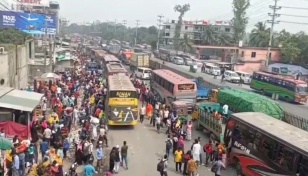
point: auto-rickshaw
(181, 108)
(214, 96)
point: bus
(114, 49)
(100, 54)
(122, 101)
(169, 86)
(164, 54)
(115, 69)
(259, 144)
(110, 59)
(287, 89)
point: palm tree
(209, 35)
(260, 35)
(224, 39)
(185, 43)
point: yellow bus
(122, 101)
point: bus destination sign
(123, 94)
(186, 86)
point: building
(14, 64)
(194, 29)
(246, 59)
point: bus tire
(238, 167)
(287, 99)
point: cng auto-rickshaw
(214, 95)
(181, 109)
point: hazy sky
(211, 10)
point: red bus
(110, 59)
(115, 68)
(170, 87)
(260, 145)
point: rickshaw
(181, 107)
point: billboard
(44, 3)
(29, 22)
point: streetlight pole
(137, 25)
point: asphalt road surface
(296, 109)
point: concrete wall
(14, 70)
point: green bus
(287, 89)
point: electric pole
(137, 25)
(115, 26)
(159, 24)
(124, 31)
(273, 21)
(45, 41)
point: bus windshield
(302, 88)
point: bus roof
(276, 129)
(111, 58)
(115, 67)
(120, 82)
(172, 77)
(100, 53)
(281, 77)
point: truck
(238, 101)
(202, 91)
(139, 60)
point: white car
(246, 77)
(231, 76)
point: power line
(292, 22)
(299, 16)
(273, 22)
(159, 24)
(298, 8)
(137, 25)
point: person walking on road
(117, 159)
(220, 166)
(196, 151)
(162, 166)
(158, 123)
(89, 170)
(168, 146)
(124, 149)
(99, 156)
(178, 157)
(208, 149)
(142, 113)
(192, 167)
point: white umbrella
(50, 76)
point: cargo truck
(139, 60)
(238, 101)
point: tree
(12, 36)
(177, 33)
(290, 53)
(185, 43)
(260, 35)
(240, 19)
(223, 39)
(209, 35)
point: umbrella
(5, 144)
(50, 76)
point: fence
(290, 118)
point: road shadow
(121, 127)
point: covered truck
(202, 91)
(244, 101)
(139, 60)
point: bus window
(303, 167)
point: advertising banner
(29, 22)
(44, 3)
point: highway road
(296, 109)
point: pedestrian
(196, 151)
(16, 165)
(99, 156)
(240, 83)
(189, 131)
(142, 113)
(111, 160)
(162, 166)
(178, 157)
(168, 146)
(43, 147)
(192, 167)
(158, 123)
(117, 159)
(218, 165)
(124, 149)
(89, 170)
(208, 149)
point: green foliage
(211, 37)
(240, 20)
(182, 9)
(110, 31)
(185, 43)
(12, 36)
(294, 47)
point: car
(246, 77)
(188, 61)
(178, 60)
(197, 62)
(231, 76)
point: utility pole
(273, 21)
(115, 26)
(137, 25)
(45, 42)
(159, 24)
(124, 31)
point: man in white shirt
(44, 107)
(225, 110)
(196, 151)
(157, 105)
(158, 123)
(47, 134)
(142, 113)
(76, 116)
(166, 115)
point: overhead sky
(209, 10)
